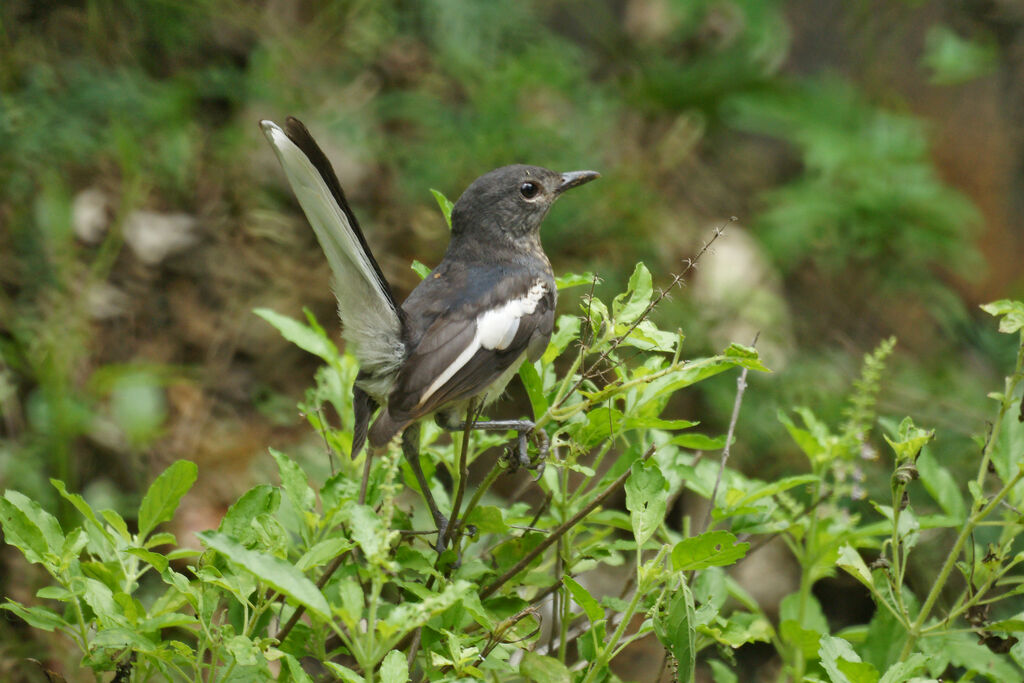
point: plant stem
(557, 533)
(917, 627)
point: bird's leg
(411, 451)
(525, 429)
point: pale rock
(154, 236)
(89, 215)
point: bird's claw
(518, 454)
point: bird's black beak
(575, 179)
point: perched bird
(462, 333)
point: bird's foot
(517, 452)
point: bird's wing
(365, 303)
(462, 353)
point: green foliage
(868, 193)
(229, 612)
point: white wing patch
(495, 330)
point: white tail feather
(371, 323)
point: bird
(459, 337)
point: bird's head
(512, 200)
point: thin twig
(741, 387)
(691, 263)
(557, 533)
(472, 415)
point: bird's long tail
(372, 320)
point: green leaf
(941, 486)
(20, 532)
(273, 571)
(344, 673)
(901, 672)
(163, 496)
(910, 439)
(721, 673)
(366, 529)
(394, 668)
(47, 524)
(543, 669)
(293, 481)
(566, 330)
(295, 670)
(259, 500)
(710, 549)
(156, 560)
(567, 280)
(303, 336)
(446, 206)
(534, 386)
(629, 305)
(592, 608)
(676, 630)
(36, 617)
(487, 519)
(322, 553)
(699, 442)
(420, 269)
(646, 497)
(83, 507)
(1011, 314)
(746, 356)
(952, 59)
(838, 658)
(852, 562)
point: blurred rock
(741, 295)
(105, 301)
(154, 236)
(89, 215)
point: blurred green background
(871, 150)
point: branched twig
(741, 387)
(691, 263)
(490, 588)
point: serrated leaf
(583, 598)
(567, 280)
(366, 529)
(901, 672)
(646, 497)
(941, 486)
(164, 494)
(534, 386)
(271, 570)
(676, 630)
(710, 549)
(853, 563)
(322, 553)
(543, 669)
(303, 336)
(487, 519)
(833, 652)
(156, 560)
(344, 673)
(293, 481)
(295, 669)
(20, 532)
(36, 617)
(1010, 314)
(629, 305)
(259, 500)
(394, 668)
(46, 523)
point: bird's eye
(529, 190)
